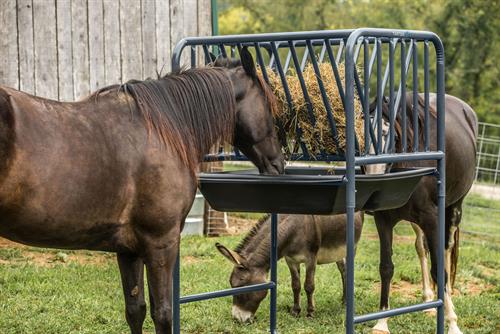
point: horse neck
(257, 246)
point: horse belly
(329, 255)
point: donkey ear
(232, 256)
(247, 62)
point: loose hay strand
(319, 136)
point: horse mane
(251, 234)
(188, 110)
(409, 122)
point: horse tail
(454, 257)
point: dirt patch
(48, 258)
(239, 226)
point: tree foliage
(469, 29)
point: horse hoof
(381, 327)
(454, 330)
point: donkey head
(254, 132)
(244, 273)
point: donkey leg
(309, 284)
(341, 267)
(422, 252)
(386, 268)
(295, 275)
(132, 275)
(160, 260)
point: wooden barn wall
(65, 49)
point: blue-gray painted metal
(227, 292)
(397, 311)
(274, 273)
(349, 43)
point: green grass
(59, 294)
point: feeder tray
(310, 190)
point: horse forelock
(188, 111)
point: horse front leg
(160, 261)
(386, 268)
(309, 284)
(422, 252)
(295, 275)
(132, 275)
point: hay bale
(320, 135)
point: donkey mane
(251, 234)
(188, 110)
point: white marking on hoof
(241, 315)
(453, 329)
(381, 327)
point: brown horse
(421, 209)
(301, 239)
(117, 171)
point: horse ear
(232, 256)
(248, 63)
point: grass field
(47, 291)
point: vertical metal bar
(340, 52)
(304, 60)
(379, 96)
(260, 60)
(350, 186)
(335, 70)
(366, 102)
(324, 97)
(222, 50)
(497, 167)
(233, 51)
(176, 296)
(287, 61)
(415, 96)
(372, 59)
(322, 53)
(274, 271)
(426, 96)
(392, 46)
(208, 59)
(402, 88)
(193, 56)
(441, 182)
(289, 97)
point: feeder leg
(176, 310)
(274, 272)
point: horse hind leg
(132, 275)
(453, 218)
(422, 252)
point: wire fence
(488, 154)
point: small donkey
(301, 239)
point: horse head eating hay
(117, 171)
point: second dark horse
(117, 171)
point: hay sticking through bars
(319, 136)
